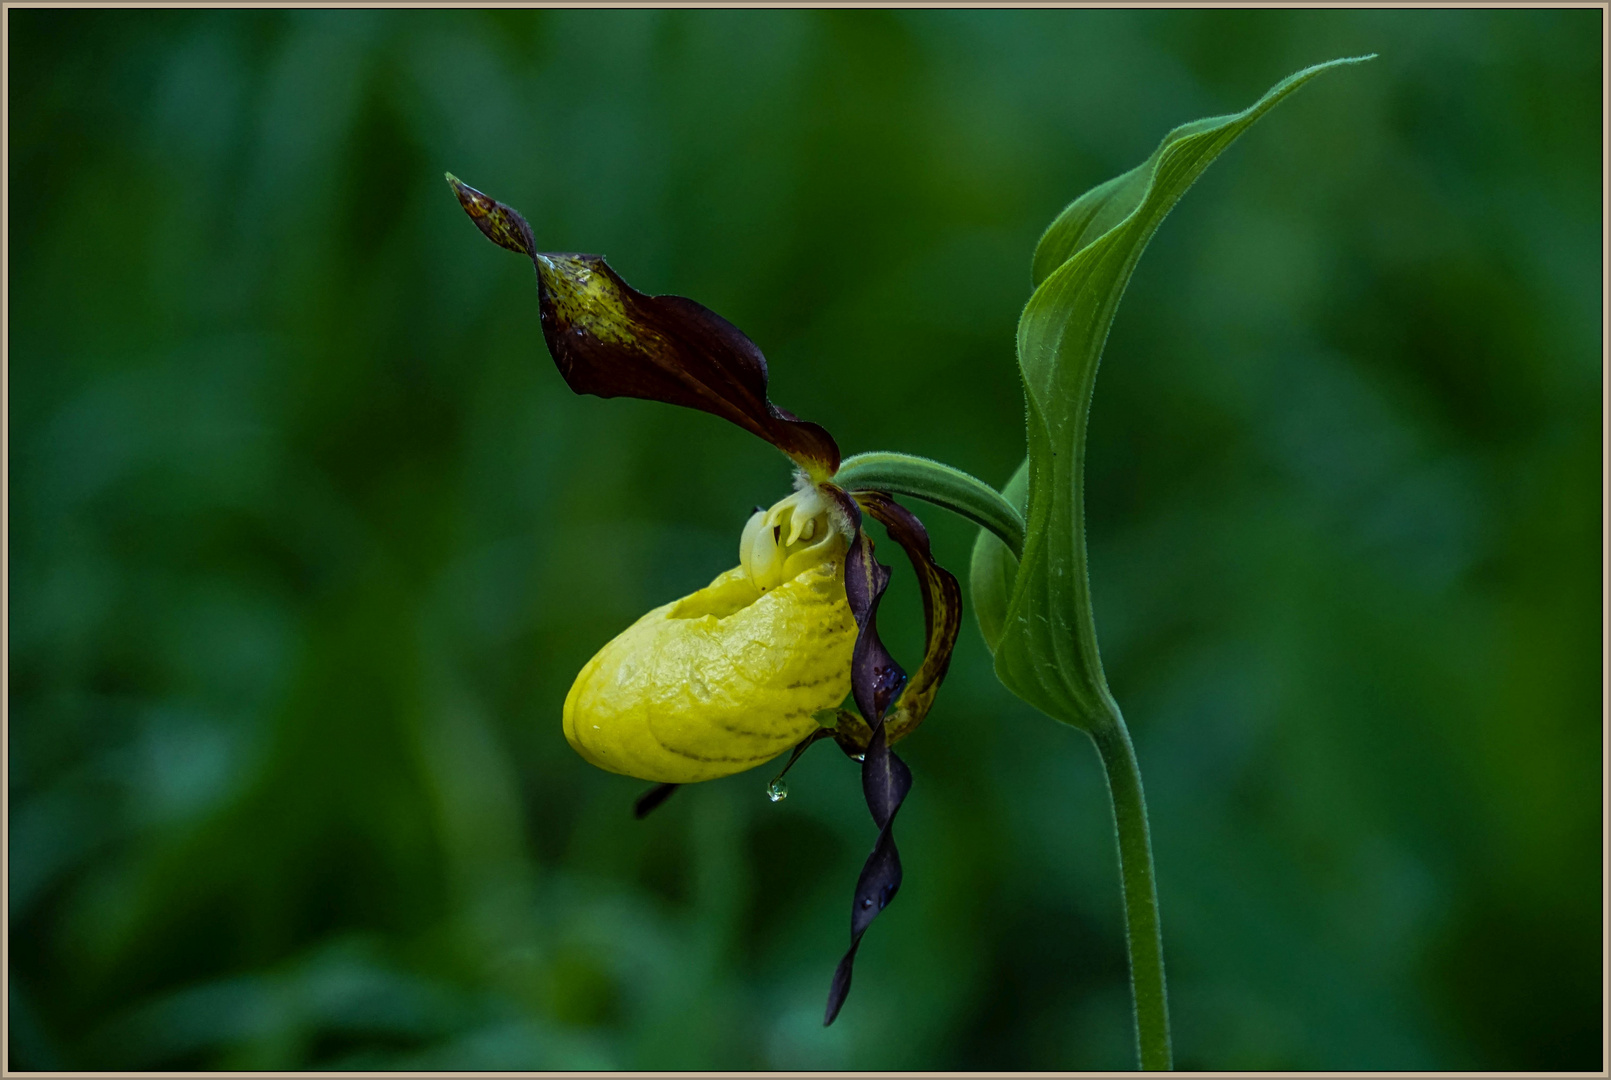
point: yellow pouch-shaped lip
(717, 682)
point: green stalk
(1141, 925)
(953, 489)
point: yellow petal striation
(731, 676)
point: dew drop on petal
(778, 789)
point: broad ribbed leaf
(994, 567)
(1047, 652)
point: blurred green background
(308, 538)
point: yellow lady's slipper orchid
(738, 672)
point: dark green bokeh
(309, 538)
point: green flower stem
(953, 489)
(1141, 923)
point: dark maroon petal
(885, 781)
(879, 882)
(651, 799)
(840, 987)
(875, 680)
(875, 677)
(942, 610)
(610, 340)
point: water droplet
(778, 789)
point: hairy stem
(953, 489)
(1142, 928)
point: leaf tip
(1341, 61)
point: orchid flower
(760, 660)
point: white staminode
(796, 534)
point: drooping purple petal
(651, 799)
(610, 340)
(885, 781)
(880, 880)
(875, 680)
(839, 989)
(942, 610)
(875, 677)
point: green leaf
(994, 566)
(1046, 652)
